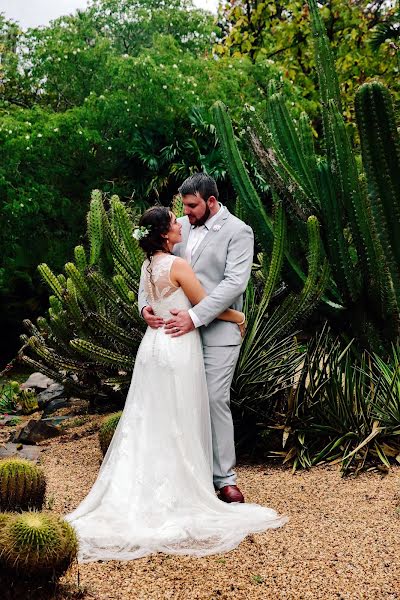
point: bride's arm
(182, 275)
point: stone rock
(57, 419)
(55, 405)
(30, 452)
(37, 381)
(36, 431)
(55, 390)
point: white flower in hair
(140, 233)
(216, 227)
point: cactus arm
(336, 245)
(286, 140)
(95, 226)
(250, 200)
(80, 259)
(278, 252)
(51, 280)
(100, 355)
(121, 217)
(380, 146)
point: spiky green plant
(344, 408)
(39, 545)
(28, 402)
(89, 339)
(358, 210)
(22, 484)
(107, 430)
(9, 396)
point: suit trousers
(220, 363)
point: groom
(220, 249)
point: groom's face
(196, 208)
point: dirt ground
(342, 540)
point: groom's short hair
(201, 184)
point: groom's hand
(151, 319)
(180, 323)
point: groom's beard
(203, 219)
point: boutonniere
(216, 227)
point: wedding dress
(154, 491)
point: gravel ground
(342, 540)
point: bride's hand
(243, 326)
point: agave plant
(358, 210)
(344, 409)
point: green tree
(281, 32)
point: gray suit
(222, 263)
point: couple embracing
(167, 483)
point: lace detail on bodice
(160, 291)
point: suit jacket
(222, 263)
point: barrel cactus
(28, 402)
(22, 485)
(37, 544)
(107, 431)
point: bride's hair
(157, 221)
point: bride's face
(174, 232)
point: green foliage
(37, 545)
(74, 116)
(107, 430)
(22, 485)
(9, 392)
(281, 33)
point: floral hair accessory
(140, 233)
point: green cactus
(39, 545)
(22, 485)
(28, 402)
(95, 226)
(107, 431)
(357, 274)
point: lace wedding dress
(154, 491)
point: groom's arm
(236, 276)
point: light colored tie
(195, 235)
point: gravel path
(342, 540)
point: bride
(154, 491)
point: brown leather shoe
(230, 493)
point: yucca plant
(37, 545)
(358, 210)
(344, 408)
(22, 485)
(107, 431)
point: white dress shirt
(196, 235)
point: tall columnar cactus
(357, 212)
(380, 146)
(38, 545)
(22, 485)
